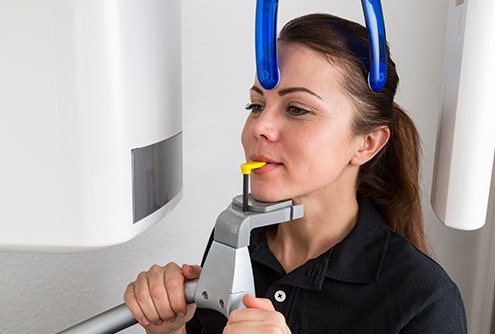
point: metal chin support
(267, 69)
(226, 275)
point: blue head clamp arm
(266, 44)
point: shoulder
(401, 263)
(434, 301)
(410, 265)
(418, 281)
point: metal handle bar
(119, 317)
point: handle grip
(119, 317)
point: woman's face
(303, 127)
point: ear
(370, 145)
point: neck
(329, 216)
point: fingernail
(181, 314)
(159, 322)
(145, 321)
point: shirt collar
(356, 259)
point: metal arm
(226, 275)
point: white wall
(43, 293)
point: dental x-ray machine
(227, 274)
(93, 132)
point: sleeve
(445, 314)
(194, 326)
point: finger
(258, 303)
(174, 283)
(158, 292)
(142, 292)
(191, 271)
(248, 314)
(133, 305)
(244, 328)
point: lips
(265, 159)
(271, 164)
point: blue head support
(266, 44)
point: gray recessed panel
(157, 175)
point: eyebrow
(287, 91)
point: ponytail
(391, 180)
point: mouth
(268, 160)
(271, 164)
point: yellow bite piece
(249, 166)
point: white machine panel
(466, 134)
(86, 87)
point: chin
(267, 196)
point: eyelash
(252, 106)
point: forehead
(303, 67)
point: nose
(267, 125)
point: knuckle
(142, 296)
(142, 275)
(171, 265)
(128, 295)
(157, 292)
(173, 282)
(156, 268)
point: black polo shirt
(373, 281)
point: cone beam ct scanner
(100, 159)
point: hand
(156, 298)
(259, 317)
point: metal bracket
(227, 274)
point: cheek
(325, 153)
(245, 136)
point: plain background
(45, 293)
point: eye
(296, 111)
(254, 107)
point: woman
(356, 262)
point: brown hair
(391, 178)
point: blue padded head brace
(266, 44)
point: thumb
(263, 304)
(191, 272)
